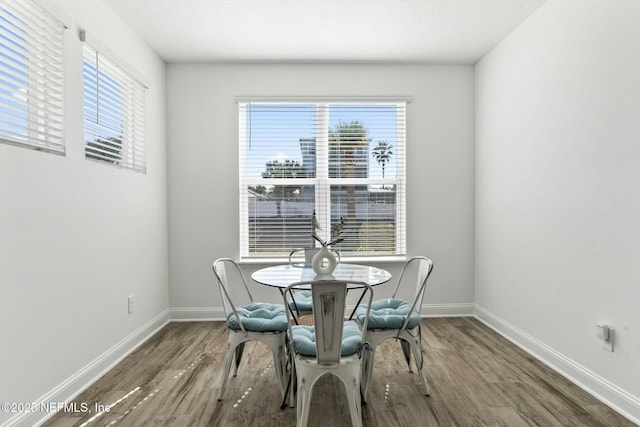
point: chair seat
(304, 339)
(303, 302)
(389, 313)
(260, 317)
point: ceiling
(432, 31)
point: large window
(31, 77)
(336, 169)
(113, 111)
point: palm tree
(382, 152)
(348, 147)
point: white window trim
(322, 182)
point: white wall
(557, 195)
(203, 167)
(77, 237)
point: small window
(334, 169)
(31, 77)
(114, 103)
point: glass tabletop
(281, 276)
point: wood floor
(477, 378)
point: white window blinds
(31, 77)
(114, 103)
(337, 169)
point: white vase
(324, 262)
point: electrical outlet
(605, 335)
(130, 301)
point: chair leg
(227, 367)
(238, 352)
(414, 341)
(355, 403)
(303, 400)
(406, 350)
(417, 352)
(280, 364)
(367, 369)
(294, 386)
(348, 373)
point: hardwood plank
(477, 378)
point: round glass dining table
(281, 276)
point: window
(334, 168)
(31, 77)
(113, 111)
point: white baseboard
(623, 402)
(447, 310)
(197, 314)
(74, 385)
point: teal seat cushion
(304, 339)
(303, 302)
(388, 313)
(259, 317)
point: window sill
(346, 260)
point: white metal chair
(398, 319)
(262, 322)
(331, 346)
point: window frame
(114, 107)
(322, 182)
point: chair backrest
(220, 270)
(423, 271)
(302, 256)
(329, 303)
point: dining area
(318, 329)
(314, 340)
(317, 341)
(475, 377)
